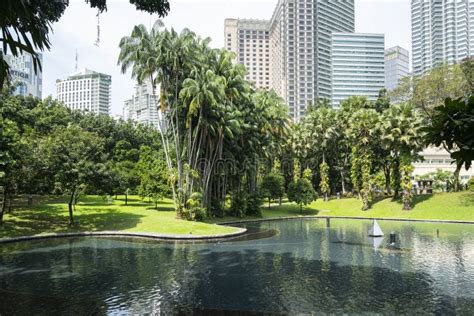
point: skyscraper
(142, 107)
(86, 90)
(27, 81)
(397, 63)
(249, 39)
(358, 66)
(442, 31)
(298, 37)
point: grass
(457, 206)
(96, 214)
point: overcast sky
(77, 29)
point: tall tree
(77, 161)
(364, 134)
(452, 126)
(401, 127)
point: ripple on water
(298, 266)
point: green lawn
(96, 214)
(442, 206)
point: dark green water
(304, 268)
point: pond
(293, 266)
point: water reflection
(308, 266)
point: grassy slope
(442, 206)
(95, 214)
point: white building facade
(142, 108)
(442, 31)
(358, 66)
(397, 66)
(86, 90)
(26, 80)
(298, 58)
(439, 159)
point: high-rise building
(249, 39)
(298, 37)
(24, 77)
(358, 66)
(397, 63)
(142, 107)
(442, 31)
(86, 90)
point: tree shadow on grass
(420, 198)
(161, 208)
(416, 199)
(289, 210)
(36, 222)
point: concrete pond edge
(158, 237)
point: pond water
(296, 266)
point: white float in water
(375, 230)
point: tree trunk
(301, 209)
(388, 187)
(365, 201)
(9, 203)
(456, 183)
(343, 184)
(396, 178)
(3, 206)
(126, 198)
(268, 203)
(71, 201)
(406, 200)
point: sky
(77, 30)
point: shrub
(302, 192)
(470, 184)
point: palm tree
(321, 124)
(139, 51)
(401, 127)
(364, 133)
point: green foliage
(213, 116)
(153, 175)
(76, 159)
(364, 133)
(273, 186)
(427, 91)
(324, 183)
(470, 184)
(401, 127)
(194, 211)
(452, 125)
(406, 170)
(301, 192)
(307, 174)
(442, 180)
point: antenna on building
(97, 42)
(76, 59)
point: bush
(302, 192)
(254, 202)
(470, 184)
(238, 205)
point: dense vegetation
(224, 146)
(47, 149)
